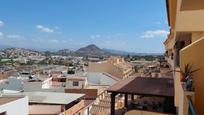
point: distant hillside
(18, 52)
(118, 52)
(64, 52)
(91, 50)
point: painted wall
(44, 109)
(194, 54)
(177, 87)
(172, 12)
(192, 5)
(19, 106)
(106, 67)
(99, 67)
(69, 84)
(190, 20)
(196, 36)
(170, 43)
(5, 75)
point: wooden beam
(113, 103)
(126, 100)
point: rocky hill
(91, 50)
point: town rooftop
(52, 97)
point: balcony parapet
(182, 95)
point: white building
(13, 105)
(53, 103)
(76, 82)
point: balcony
(184, 99)
(151, 95)
(148, 106)
(193, 54)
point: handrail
(191, 109)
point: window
(75, 83)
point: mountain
(91, 50)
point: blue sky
(129, 25)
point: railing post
(113, 103)
(126, 100)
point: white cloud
(45, 40)
(1, 34)
(44, 29)
(95, 36)
(14, 36)
(2, 23)
(154, 33)
(53, 41)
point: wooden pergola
(157, 87)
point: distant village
(100, 81)
(71, 84)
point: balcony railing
(191, 109)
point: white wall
(17, 107)
(69, 84)
(46, 84)
(86, 110)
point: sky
(128, 25)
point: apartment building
(115, 66)
(184, 46)
(94, 86)
(53, 103)
(76, 82)
(12, 105)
